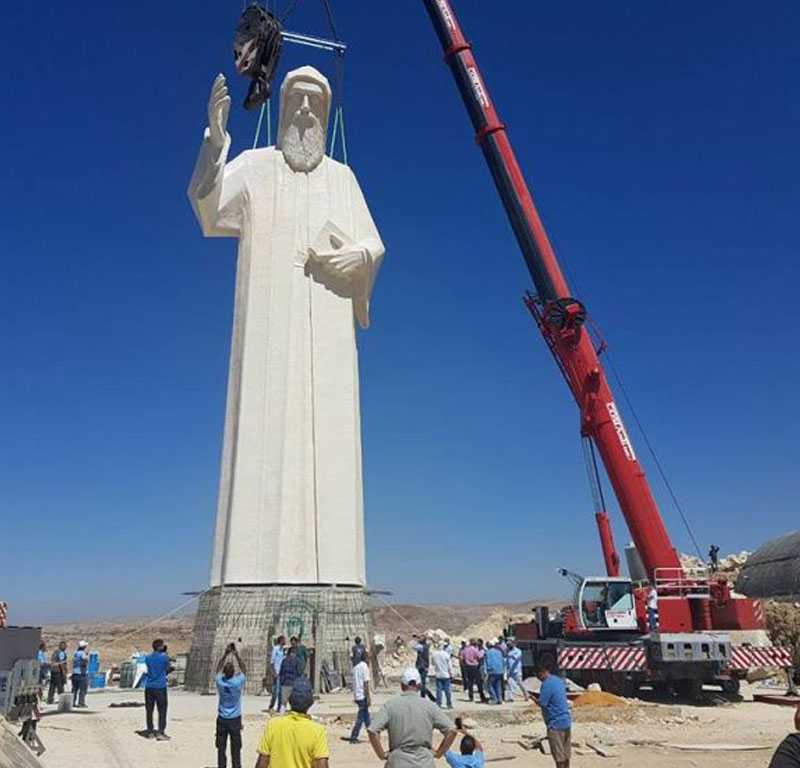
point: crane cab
(606, 604)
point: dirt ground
(639, 734)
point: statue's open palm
(219, 107)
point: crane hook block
(257, 46)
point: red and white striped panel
(619, 659)
(744, 657)
(3, 613)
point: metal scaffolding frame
(325, 617)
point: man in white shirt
(652, 609)
(514, 671)
(361, 694)
(441, 669)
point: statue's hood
(308, 75)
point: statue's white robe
(290, 507)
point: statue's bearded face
(303, 144)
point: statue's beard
(304, 149)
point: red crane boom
(560, 317)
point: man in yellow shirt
(294, 740)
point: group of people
(294, 740)
(410, 719)
(287, 664)
(493, 668)
(54, 672)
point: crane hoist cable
(654, 456)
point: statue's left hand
(344, 262)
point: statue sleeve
(215, 190)
(367, 237)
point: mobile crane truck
(604, 636)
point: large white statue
(290, 505)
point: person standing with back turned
(229, 708)
(80, 675)
(441, 669)
(410, 721)
(422, 649)
(58, 672)
(555, 710)
(155, 690)
(294, 740)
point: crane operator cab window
(607, 604)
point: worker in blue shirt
(555, 710)
(229, 708)
(155, 690)
(495, 667)
(44, 664)
(80, 675)
(514, 671)
(58, 672)
(470, 754)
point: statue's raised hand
(219, 107)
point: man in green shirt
(410, 720)
(301, 652)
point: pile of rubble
(729, 566)
(399, 654)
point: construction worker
(155, 690)
(229, 707)
(555, 710)
(713, 557)
(80, 675)
(44, 664)
(58, 672)
(652, 609)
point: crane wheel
(731, 686)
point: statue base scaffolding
(325, 617)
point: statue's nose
(306, 108)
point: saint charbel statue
(290, 507)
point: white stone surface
(290, 507)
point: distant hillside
(116, 640)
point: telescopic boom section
(559, 316)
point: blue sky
(661, 144)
